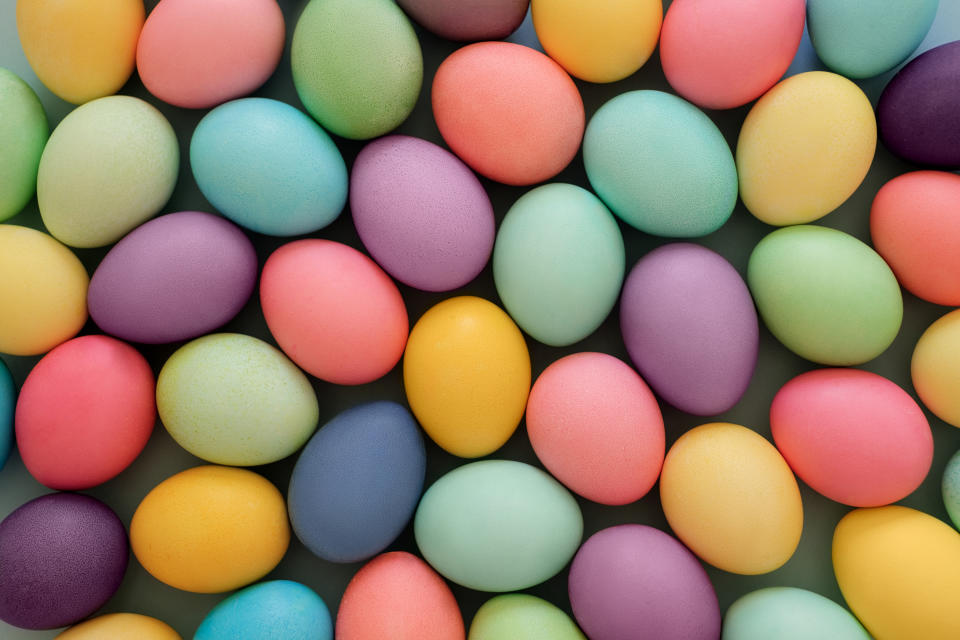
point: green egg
(518, 616)
(23, 132)
(951, 488)
(788, 613)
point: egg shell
(421, 213)
(596, 427)
(268, 167)
(353, 326)
(660, 164)
(467, 20)
(950, 487)
(357, 482)
(466, 374)
(634, 581)
(63, 557)
(725, 53)
(690, 327)
(23, 133)
(46, 303)
(498, 525)
(518, 616)
(899, 571)
(788, 613)
(210, 529)
(827, 296)
(234, 399)
(508, 111)
(397, 596)
(80, 49)
(730, 497)
(120, 626)
(187, 54)
(935, 368)
(274, 610)
(8, 402)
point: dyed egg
(210, 529)
(518, 616)
(634, 581)
(268, 167)
(660, 164)
(508, 111)
(950, 486)
(596, 427)
(23, 132)
(109, 166)
(421, 213)
(353, 326)
(804, 148)
(63, 556)
(690, 327)
(80, 49)
(725, 53)
(899, 571)
(234, 399)
(120, 626)
(498, 525)
(788, 613)
(730, 497)
(397, 596)
(357, 482)
(274, 610)
(466, 373)
(468, 20)
(46, 303)
(357, 92)
(187, 51)
(825, 295)
(935, 368)
(8, 402)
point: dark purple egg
(467, 20)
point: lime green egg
(23, 132)
(518, 616)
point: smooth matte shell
(8, 403)
(935, 368)
(120, 626)
(23, 133)
(950, 487)
(788, 613)
(518, 616)
(468, 20)
(273, 610)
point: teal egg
(518, 616)
(8, 402)
(23, 132)
(951, 488)
(788, 613)
(275, 610)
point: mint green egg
(951, 488)
(498, 525)
(518, 616)
(825, 295)
(23, 132)
(788, 613)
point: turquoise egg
(23, 132)
(788, 613)
(951, 488)
(8, 401)
(275, 610)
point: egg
(497, 525)
(730, 497)
(690, 327)
(788, 613)
(353, 326)
(935, 368)
(518, 616)
(120, 626)
(660, 164)
(274, 610)
(210, 529)
(234, 399)
(950, 487)
(268, 167)
(466, 374)
(827, 296)
(8, 402)
(468, 20)
(899, 571)
(23, 133)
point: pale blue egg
(788, 613)
(275, 610)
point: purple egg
(690, 327)
(176, 277)
(421, 213)
(633, 582)
(62, 556)
(467, 20)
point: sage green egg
(235, 400)
(788, 613)
(357, 65)
(950, 486)
(558, 263)
(498, 525)
(825, 295)
(23, 132)
(518, 616)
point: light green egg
(518, 616)
(788, 613)
(825, 295)
(23, 132)
(498, 525)
(951, 488)
(233, 399)
(558, 263)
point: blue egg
(275, 610)
(8, 400)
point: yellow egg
(805, 147)
(899, 571)
(935, 368)
(729, 495)
(466, 371)
(120, 626)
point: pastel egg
(353, 326)
(950, 486)
(8, 402)
(23, 133)
(596, 427)
(804, 148)
(63, 557)
(899, 571)
(357, 92)
(210, 529)
(788, 613)
(80, 49)
(468, 20)
(268, 167)
(935, 368)
(234, 399)
(466, 373)
(120, 626)
(508, 111)
(634, 581)
(421, 213)
(730, 497)
(825, 295)
(187, 51)
(518, 616)
(660, 164)
(109, 166)
(357, 482)
(690, 327)
(479, 524)
(274, 610)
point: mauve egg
(468, 20)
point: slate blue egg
(274, 610)
(8, 401)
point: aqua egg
(273, 610)
(789, 613)
(23, 133)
